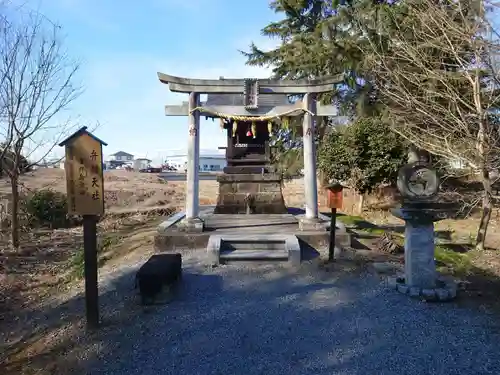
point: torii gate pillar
(310, 220)
(192, 220)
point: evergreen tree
(318, 38)
(322, 38)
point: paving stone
(429, 294)
(384, 267)
(414, 291)
(442, 294)
(392, 282)
(402, 288)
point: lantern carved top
(417, 182)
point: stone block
(231, 199)
(315, 224)
(234, 199)
(442, 294)
(452, 290)
(227, 188)
(160, 270)
(402, 288)
(171, 221)
(429, 294)
(255, 169)
(191, 225)
(414, 291)
(320, 240)
(173, 239)
(247, 187)
(213, 250)
(271, 187)
(392, 282)
(293, 248)
(248, 177)
(384, 267)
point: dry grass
(48, 262)
(139, 190)
(48, 337)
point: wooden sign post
(335, 195)
(85, 191)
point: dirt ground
(133, 190)
(49, 262)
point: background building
(120, 159)
(208, 163)
(142, 163)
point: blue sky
(121, 46)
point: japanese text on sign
(82, 175)
(85, 179)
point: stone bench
(160, 270)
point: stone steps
(255, 254)
(233, 250)
(225, 248)
(245, 245)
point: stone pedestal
(421, 279)
(250, 194)
(420, 268)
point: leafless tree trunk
(361, 203)
(486, 212)
(437, 81)
(36, 85)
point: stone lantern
(418, 184)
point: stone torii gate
(242, 97)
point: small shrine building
(250, 110)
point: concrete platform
(172, 235)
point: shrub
(48, 208)
(364, 155)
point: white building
(141, 163)
(208, 163)
(120, 159)
(121, 156)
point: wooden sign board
(335, 199)
(84, 174)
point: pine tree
(322, 38)
(318, 38)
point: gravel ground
(272, 320)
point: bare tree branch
(437, 81)
(37, 84)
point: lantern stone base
(250, 194)
(420, 278)
(443, 290)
